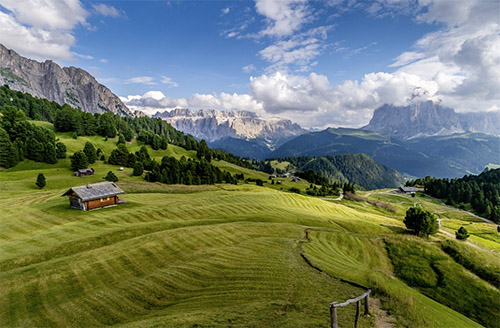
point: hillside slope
(359, 169)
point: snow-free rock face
(64, 85)
(213, 125)
(422, 119)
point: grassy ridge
(187, 256)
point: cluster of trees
(82, 158)
(189, 172)
(20, 139)
(480, 191)
(152, 131)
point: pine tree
(79, 161)
(111, 177)
(8, 152)
(138, 169)
(60, 150)
(40, 181)
(50, 154)
(90, 152)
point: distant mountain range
(67, 85)
(424, 119)
(440, 156)
(423, 138)
(229, 129)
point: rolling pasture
(207, 256)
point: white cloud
(41, 29)
(47, 14)
(225, 11)
(248, 68)
(103, 60)
(284, 17)
(168, 81)
(108, 11)
(148, 80)
(82, 56)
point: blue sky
(319, 63)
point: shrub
(111, 177)
(462, 234)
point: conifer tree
(40, 181)
(90, 152)
(60, 150)
(8, 152)
(79, 160)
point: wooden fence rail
(357, 300)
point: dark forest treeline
(480, 191)
(151, 131)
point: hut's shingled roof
(93, 191)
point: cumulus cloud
(224, 11)
(108, 11)
(284, 17)
(41, 29)
(154, 101)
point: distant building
(279, 182)
(95, 195)
(295, 179)
(408, 190)
(85, 172)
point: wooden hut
(84, 172)
(94, 195)
(408, 190)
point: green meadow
(229, 255)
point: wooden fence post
(356, 318)
(367, 305)
(333, 316)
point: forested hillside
(359, 169)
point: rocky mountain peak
(64, 85)
(212, 125)
(420, 119)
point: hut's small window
(107, 198)
(102, 200)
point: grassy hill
(215, 255)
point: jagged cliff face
(68, 85)
(213, 125)
(423, 119)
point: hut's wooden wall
(91, 204)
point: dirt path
(382, 318)
(338, 198)
(449, 234)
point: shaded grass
(362, 259)
(484, 264)
(424, 266)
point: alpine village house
(95, 195)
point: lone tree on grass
(421, 222)
(40, 181)
(462, 234)
(111, 177)
(79, 161)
